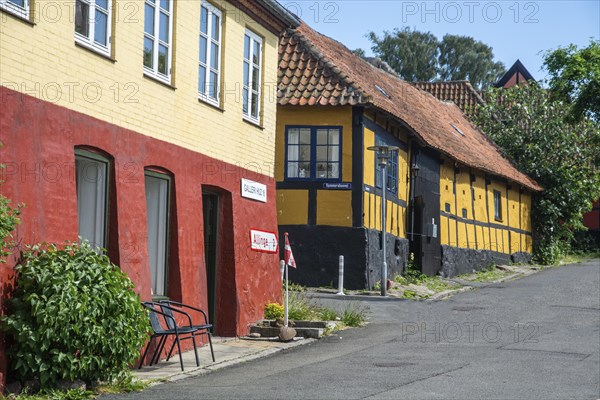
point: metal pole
(341, 276)
(285, 314)
(383, 221)
(282, 268)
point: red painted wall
(592, 218)
(39, 140)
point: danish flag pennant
(287, 254)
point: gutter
(281, 12)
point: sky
(514, 29)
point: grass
(124, 385)
(574, 258)
(488, 274)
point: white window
(157, 214)
(93, 24)
(252, 72)
(17, 7)
(91, 171)
(158, 35)
(209, 64)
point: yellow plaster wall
(334, 207)
(292, 207)
(469, 235)
(42, 60)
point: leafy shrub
(9, 219)
(327, 314)
(72, 316)
(273, 311)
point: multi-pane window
(313, 153)
(157, 213)
(18, 7)
(497, 205)
(93, 23)
(158, 36)
(209, 65)
(391, 169)
(91, 178)
(252, 76)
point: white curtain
(157, 194)
(91, 199)
(292, 152)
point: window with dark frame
(313, 153)
(391, 169)
(497, 205)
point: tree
(575, 78)
(359, 52)
(464, 58)
(561, 155)
(412, 54)
(419, 56)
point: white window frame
(153, 72)
(159, 271)
(205, 96)
(22, 12)
(90, 41)
(248, 114)
(98, 211)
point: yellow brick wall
(42, 59)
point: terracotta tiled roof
(460, 93)
(317, 70)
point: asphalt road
(535, 338)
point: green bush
(274, 311)
(72, 316)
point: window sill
(158, 80)
(95, 51)
(17, 15)
(212, 105)
(253, 122)
(498, 219)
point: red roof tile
(328, 62)
(460, 93)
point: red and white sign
(263, 241)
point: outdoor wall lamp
(383, 154)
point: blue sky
(514, 29)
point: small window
(91, 179)
(313, 153)
(497, 205)
(158, 36)
(209, 63)
(391, 170)
(93, 24)
(252, 76)
(447, 207)
(464, 213)
(158, 188)
(18, 7)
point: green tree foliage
(575, 78)
(563, 156)
(411, 53)
(419, 56)
(74, 315)
(464, 58)
(9, 219)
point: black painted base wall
(457, 261)
(317, 250)
(397, 256)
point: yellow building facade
(452, 200)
